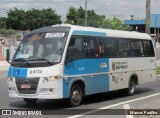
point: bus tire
(132, 87)
(130, 90)
(30, 100)
(75, 96)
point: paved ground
(4, 65)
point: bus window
(91, 47)
(137, 48)
(124, 48)
(148, 48)
(109, 47)
(75, 49)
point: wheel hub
(76, 96)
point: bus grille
(30, 81)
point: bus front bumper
(43, 90)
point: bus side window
(124, 48)
(75, 49)
(137, 47)
(109, 47)
(148, 48)
(91, 47)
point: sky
(121, 9)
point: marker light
(10, 79)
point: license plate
(25, 86)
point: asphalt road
(91, 106)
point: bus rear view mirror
(6, 55)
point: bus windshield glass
(41, 46)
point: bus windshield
(41, 46)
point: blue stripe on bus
(94, 84)
(89, 33)
(87, 66)
(17, 72)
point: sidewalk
(157, 45)
(4, 66)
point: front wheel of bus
(75, 96)
(30, 100)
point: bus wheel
(30, 100)
(75, 96)
(130, 90)
(132, 87)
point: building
(139, 24)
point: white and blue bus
(66, 61)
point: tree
(116, 24)
(16, 19)
(94, 20)
(32, 19)
(72, 16)
(77, 16)
(3, 22)
(81, 16)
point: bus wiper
(23, 59)
(41, 59)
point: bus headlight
(10, 79)
(51, 78)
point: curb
(158, 75)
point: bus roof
(106, 32)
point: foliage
(116, 24)
(34, 18)
(77, 17)
(158, 71)
(31, 19)
(72, 16)
(16, 19)
(3, 22)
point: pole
(155, 28)
(158, 32)
(86, 13)
(148, 6)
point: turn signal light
(10, 79)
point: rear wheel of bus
(131, 88)
(75, 96)
(30, 100)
